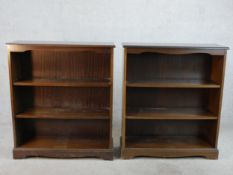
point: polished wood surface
(170, 114)
(172, 100)
(66, 143)
(187, 68)
(61, 96)
(63, 83)
(62, 113)
(174, 45)
(65, 98)
(56, 65)
(61, 43)
(166, 142)
(173, 83)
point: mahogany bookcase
(172, 96)
(61, 95)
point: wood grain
(173, 83)
(59, 113)
(166, 142)
(66, 142)
(170, 114)
(63, 83)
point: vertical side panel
(220, 99)
(10, 66)
(111, 97)
(124, 101)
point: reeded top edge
(174, 46)
(62, 43)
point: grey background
(160, 21)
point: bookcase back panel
(155, 67)
(168, 128)
(169, 98)
(72, 99)
(41, 127)
(40, 133)
(21, 67)
(62, 65)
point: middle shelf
(172, 103)
(172, 83)
(59, 113)
(170, 114)
(62, 102)
(63, 83)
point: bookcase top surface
(174, 46)
(62, 43)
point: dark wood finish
(175, 46)
(62, 44)
(170, 113)
(106, 154)
(63, 83)
(171, 83)
(61, 95)
(61, 113)
(166, 142)
(172, 100)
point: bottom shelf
(57, 147)
(166, 142)
(53, 142)
(209, 153)
(168, 147)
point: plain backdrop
(157, 21)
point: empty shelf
(66, 142)
(58, 113)
(173, 83)
(171, 113)
(64, 83)
(166, 142)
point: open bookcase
(61, 96)
(172, 100)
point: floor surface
(142, 166)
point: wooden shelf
(53, 142)
(173, 83)
(58, 113)
(63, 83)
(171, 114)
(166, 142)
